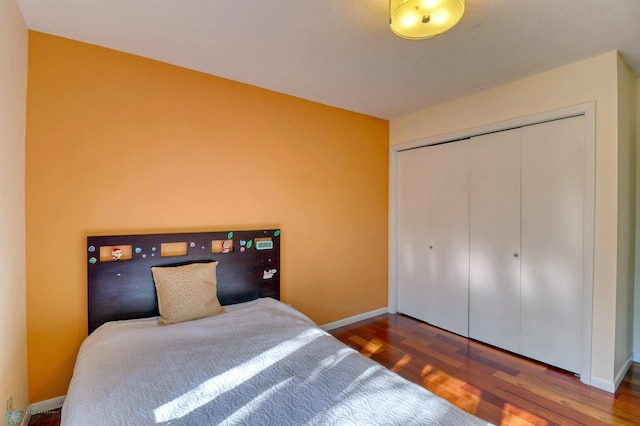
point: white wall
(586, 81)
(626, 215)
(636, 323)
(13, 318)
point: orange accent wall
(121, 144)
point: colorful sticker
(116, 253)
(275, 234)
(92, 249)
(13, 417)
(93, 260)
(249, 243)
(230, 235)
(192, 245)
(221, 246)
(268, 273)
(243, 242)
(138, 250)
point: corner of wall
(13, 328)
(636, 322)
(627, 212)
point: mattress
(259, 363)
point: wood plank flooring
(48, 418)
(494, 385)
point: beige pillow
(186, 292)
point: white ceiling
(342, 52)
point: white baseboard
(612, 386)
(41, 407)
(605, 385)
(356, 318)
(623, 371)
(636, 357)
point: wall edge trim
(353, 319)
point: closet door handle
(515, 253)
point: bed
(254, 361)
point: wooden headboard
(120, 283)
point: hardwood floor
(48, 418)
(494, 385)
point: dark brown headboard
(248, 268)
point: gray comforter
(260, 363)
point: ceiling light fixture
(419, 19)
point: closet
(490, 238)
(434, 235)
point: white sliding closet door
(447, 275)
(494, 254)
(412, 230)
(433, 235)
(553, 161)
(491, 239)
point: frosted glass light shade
(419, 19)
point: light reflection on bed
(232, 378)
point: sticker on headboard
(115, 253)
(173, 249)
(269, 273)
(264, 243)
(222, 246)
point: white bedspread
(261, 363)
